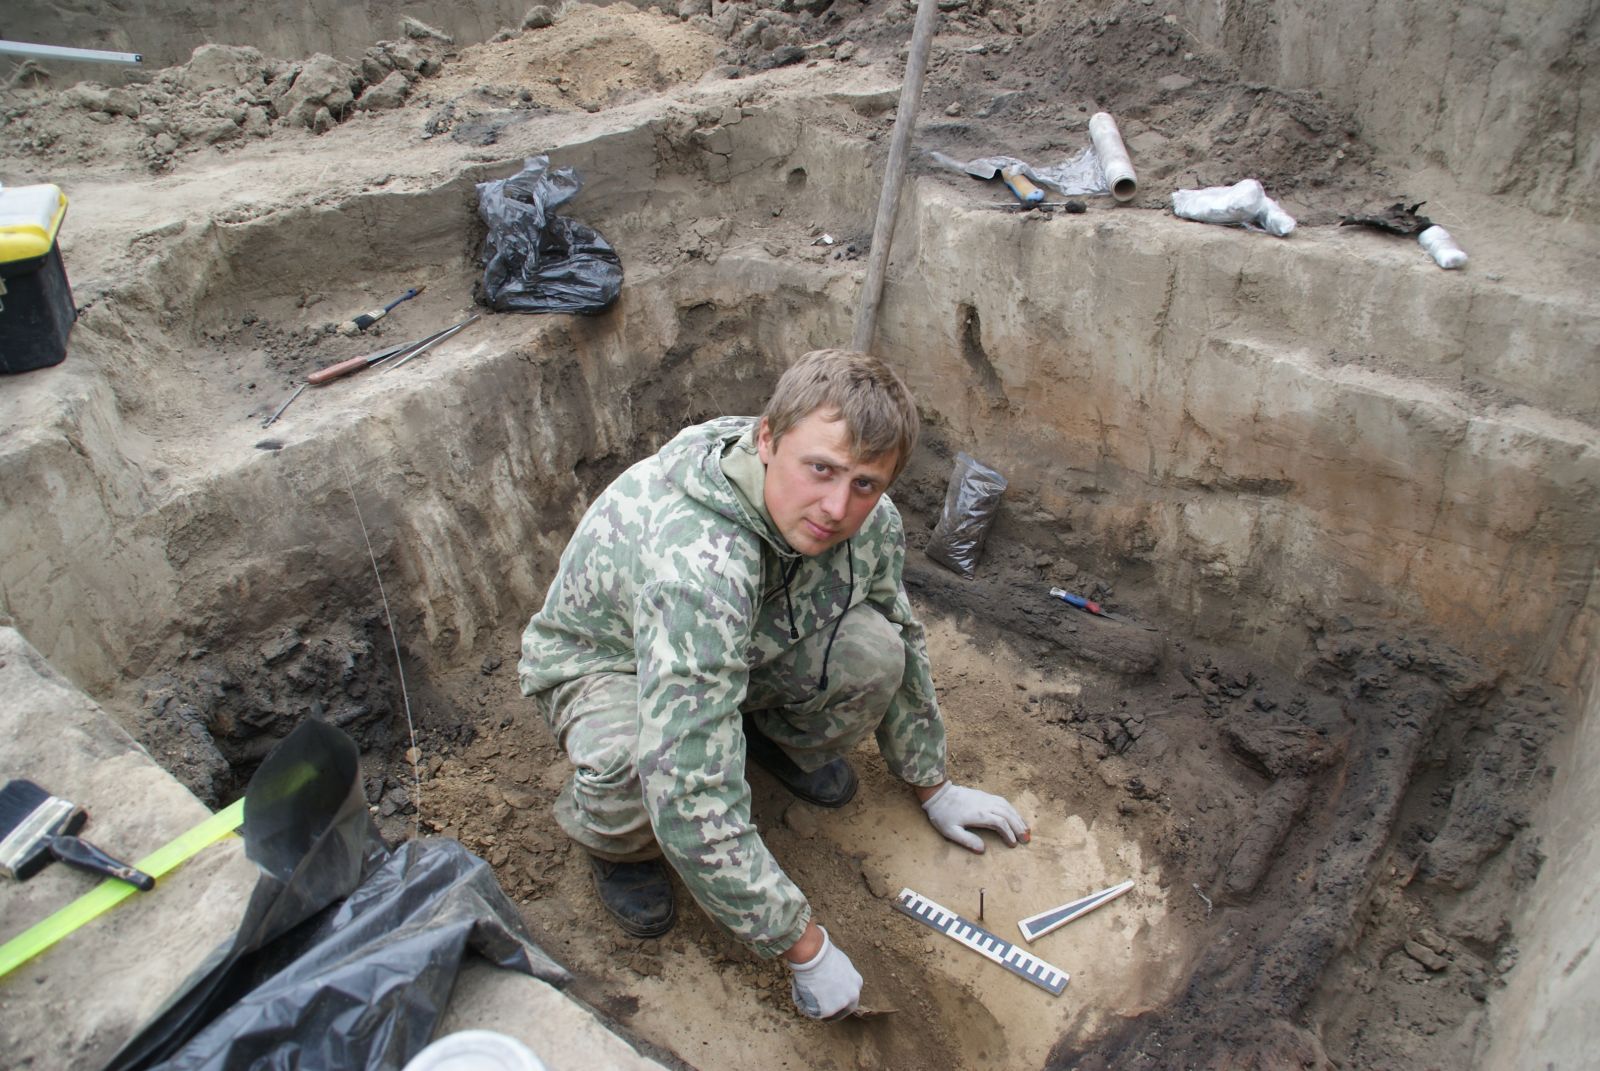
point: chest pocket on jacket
(816, 608)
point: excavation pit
(1322, 765)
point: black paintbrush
(36, 827)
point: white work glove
(953, 810)
(826, 986)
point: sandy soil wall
(1496, 92)
(1363, 466)
(1500, 93)
(1553, 999)
(468, 485)
(1212, 407)
(165, 32)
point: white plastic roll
(1107, 141)
(1442, 248)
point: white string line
(394, 638)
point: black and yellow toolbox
(36, 310)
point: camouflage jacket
(675, 575)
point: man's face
(818, 495)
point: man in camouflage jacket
(738, 595)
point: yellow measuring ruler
(91, 905)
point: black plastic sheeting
(347, 952)
(535, 260)
(971, 501)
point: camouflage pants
(595, 720)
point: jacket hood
(715, 464)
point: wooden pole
(905, 121)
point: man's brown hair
(877, 408)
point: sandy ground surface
(1135, 755)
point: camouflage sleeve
(911, 735)
(690, 639)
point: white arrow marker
(1035, 926)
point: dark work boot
(834, 785)
(637, 895)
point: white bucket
(476, 1050)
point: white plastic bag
(1244, 203)
(1442, 247)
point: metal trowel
(1011, 171)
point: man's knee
(869, 657)
(605, 765)
(595, 719)
(596, 723)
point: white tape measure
(1051, 979)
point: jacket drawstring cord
(850, 556)
(788, 574)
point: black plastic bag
(970, 503)
(307, 827)
(373, 981)
(347, 953)
(535, 260)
